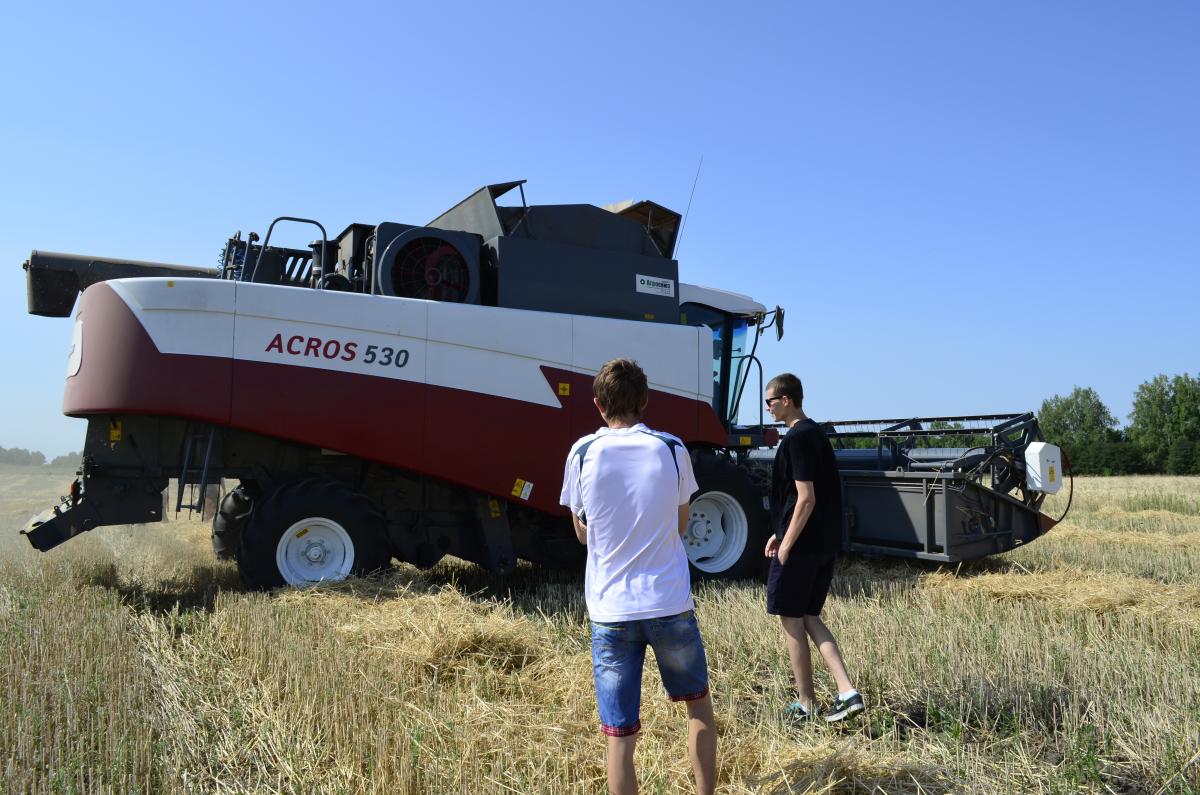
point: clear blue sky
(965, 207)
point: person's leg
(679, 652)
(789, 591)
(801, 659)
(826, 644)
(622, 778)
(849, 701)
(618, 654)
(702, 744)
(828, 647)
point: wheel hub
(700, 529)
(313, 550)
(717, 532)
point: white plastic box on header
(1043, 467)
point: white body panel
(666, 353)
(189, 316)
(263, 311)
(482, 349)
(724, 300)
(1043, 467)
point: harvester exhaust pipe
(55, 279)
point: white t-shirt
(627, 489)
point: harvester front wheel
(309, 532)
(728, 524)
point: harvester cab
(407, 392)
(736, 322)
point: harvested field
(132, 661)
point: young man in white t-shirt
(628, 489)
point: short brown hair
(620, 388)
(789, 386)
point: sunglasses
(771, 400)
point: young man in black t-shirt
(806, 515)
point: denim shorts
(619, 652)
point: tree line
(1162, 437)
(22, 457)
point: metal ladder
(194, 436)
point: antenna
(683, 224)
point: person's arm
(580, 528)
(685, 514)
(806, 501)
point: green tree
(1077, 421)
(21, 456)
(1182, 458)
(68, 460)
(1165, 411)
(1185, 408)
(1112, 457)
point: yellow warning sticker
(302, 533)
(1052, 473)
(564, 389)
(170, 282)
(114, 430)
(518, 487)
(745, 441)
(494, 507)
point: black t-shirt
(805, 454)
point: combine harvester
(410, 392)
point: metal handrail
(741, 387)
(267, 242)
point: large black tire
(728, 526)
(311, 531)
(230, 520)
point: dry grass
(1079, 590)
(130, 661)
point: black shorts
(799, 588)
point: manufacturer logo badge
(655, 285)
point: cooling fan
(433, 269)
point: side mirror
(778, 323)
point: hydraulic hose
(1071, 493)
